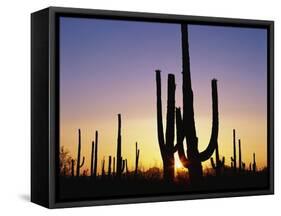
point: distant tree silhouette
(65, 161)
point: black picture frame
(45, 101)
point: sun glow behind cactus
(107, 67)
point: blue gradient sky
(107, 67)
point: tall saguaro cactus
(166, 144)
(137, 159)
(233, 159)
(96, 154)
(186, 123)
(120, 163)
(240, 156)
(79, 155)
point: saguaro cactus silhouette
(120, 163)
(137, 159)
(102, 167)
(233, 159)
(126, 166)
(92, 158)
(96, 154)
(113, 171)
(166, 144)
(186, 123)
(240, 156)
(109, 166)
(254, 163)
(219, 164)
(79, 155)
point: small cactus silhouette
(109, 166)
(126, 166)
(219, 164)
(113, 171)
(233, 159)
(103, 168)
(79, 155)
(137, 159)
(92, 159)
(254, 163)
(120, 163)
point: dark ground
(85, 187)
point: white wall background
(15, 106)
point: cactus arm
(160, 131)
(83, 160)
(92, 158)
(170, 117)
(213, 163)
(207, 153)
(180, 137)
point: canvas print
(154, 108)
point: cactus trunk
(233, 159)
(79, 155)
(102, 168)
(166, 145)
(186, 124)
(113, 171)
(96, 154)
(239, 155)
(137, 159)
(109, 166)
(120, 163)
(254, 163)
(92, 158)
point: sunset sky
(108, 67)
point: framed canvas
(139, 107)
